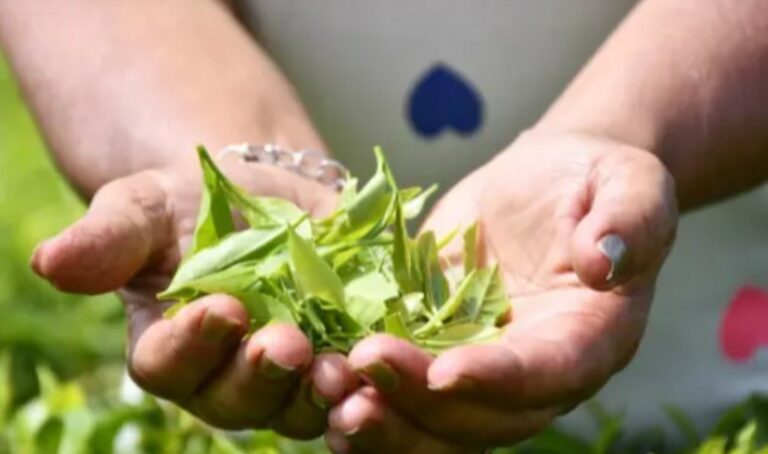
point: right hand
(131, 240)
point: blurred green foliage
(61, 355)
(37, 323)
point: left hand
(580, 226)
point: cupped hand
(130, 239)
(580, 227)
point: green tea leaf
(460, 334)
(235, 196)
(371, 210)
(332, 326)
(175, 308)
(314, 276)
(366, 296)
(405, 257)
(214, 220)
(237, 247)
(235, 279)
(484, 299)
(344, 277)
(348, 193)
(259, 212)
(413, 305)
(264, 308)
(394, 325)
(448, 309)
(447, 239)
(275, 263)
(493, 297)
(284, 212)
(412, 206)
(435, 285)
(374, 198)
(470, 248)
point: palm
(533, 205)
(543, 207)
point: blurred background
(71, 334)
(62, 388)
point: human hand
(580, 227)
(131, 239)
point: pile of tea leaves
(342, 278)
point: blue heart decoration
(443, 99)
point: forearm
(688, 80)
(122, 86)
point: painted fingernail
(273, 370)
(216, 329)
(382, 375)
(318, 399)
(614, 248)
(454, 384)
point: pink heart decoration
(744, 327)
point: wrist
(640, 133)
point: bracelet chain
(308, 163)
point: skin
(571, 329)
(669, 112)
(133, 157)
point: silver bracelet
(310, 164)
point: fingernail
(215, 328)
(382, 375)
(351, 432)
(338, 442)
(318, 399)
(454, 384)
(614, 248)
(274, 370)
(35, 261)
(568, 408)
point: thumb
(630, 223)
(127, 222)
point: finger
(127, 222)
(399, 370)
(364, 422)
(251, 388)
(338, 443)
(630, 223)
(324, 385)
(560, 355)
(172, 357)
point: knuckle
(146, 377)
